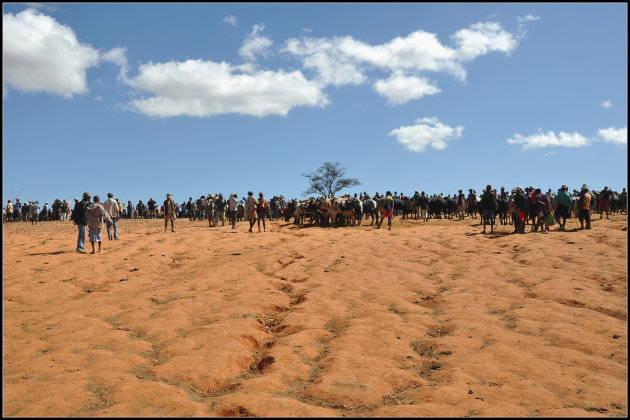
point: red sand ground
(428, 319)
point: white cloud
(205, 88)
(231, 20)
(344, 60)
(98, 98)
(614, 135)
(426, 131)
(606, 104)
(307, 30)
(550, 139)
(528, 18)
(255, 44)
(400, 89)
(333, 67)
(39, 54)
(118, 56)
(482, 38)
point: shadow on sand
(50, 253)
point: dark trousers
(584, 215)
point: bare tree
(328, 180)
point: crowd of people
(527, 205)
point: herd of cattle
(352, 210)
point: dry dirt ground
(428, 319)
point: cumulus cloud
(41, 55)
(322, 55)
(345, 60)
(255, 44)
(606, 104)
(482, 38)
(528, 18)
(400, 89)
(614, 135)
(550, 139)
(230, 20)
(425, 132)
(205, 88)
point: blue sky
(144, 99)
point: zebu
(369, 209)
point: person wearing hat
(250, 209)
(79, 219)
(233, 209)
(563, 208)
(121, 209)
(471, 203)
(111, 207)
(461, 205)
(604, 196)
(95, 215)
(583, 204)
(17, 210)
(169, 212)
(262, 208)
(489, 206)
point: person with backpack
(262, 209)
(388, 207)
(79, 219)
(95, 214)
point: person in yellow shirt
(388, 208)
(9, 211)
(584, 201)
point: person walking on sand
(461, 204)
(388, 207)
(564, 206)
(583, 204)
(79, 219)
(169, 212)
(111, 207)
(542, 204)
(261, 210)
(232, 209)
(604, 196)
(252, 203)
(95, 214)
(34, 209)
(489, 206)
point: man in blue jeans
(78, 216)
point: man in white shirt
(111, 207)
